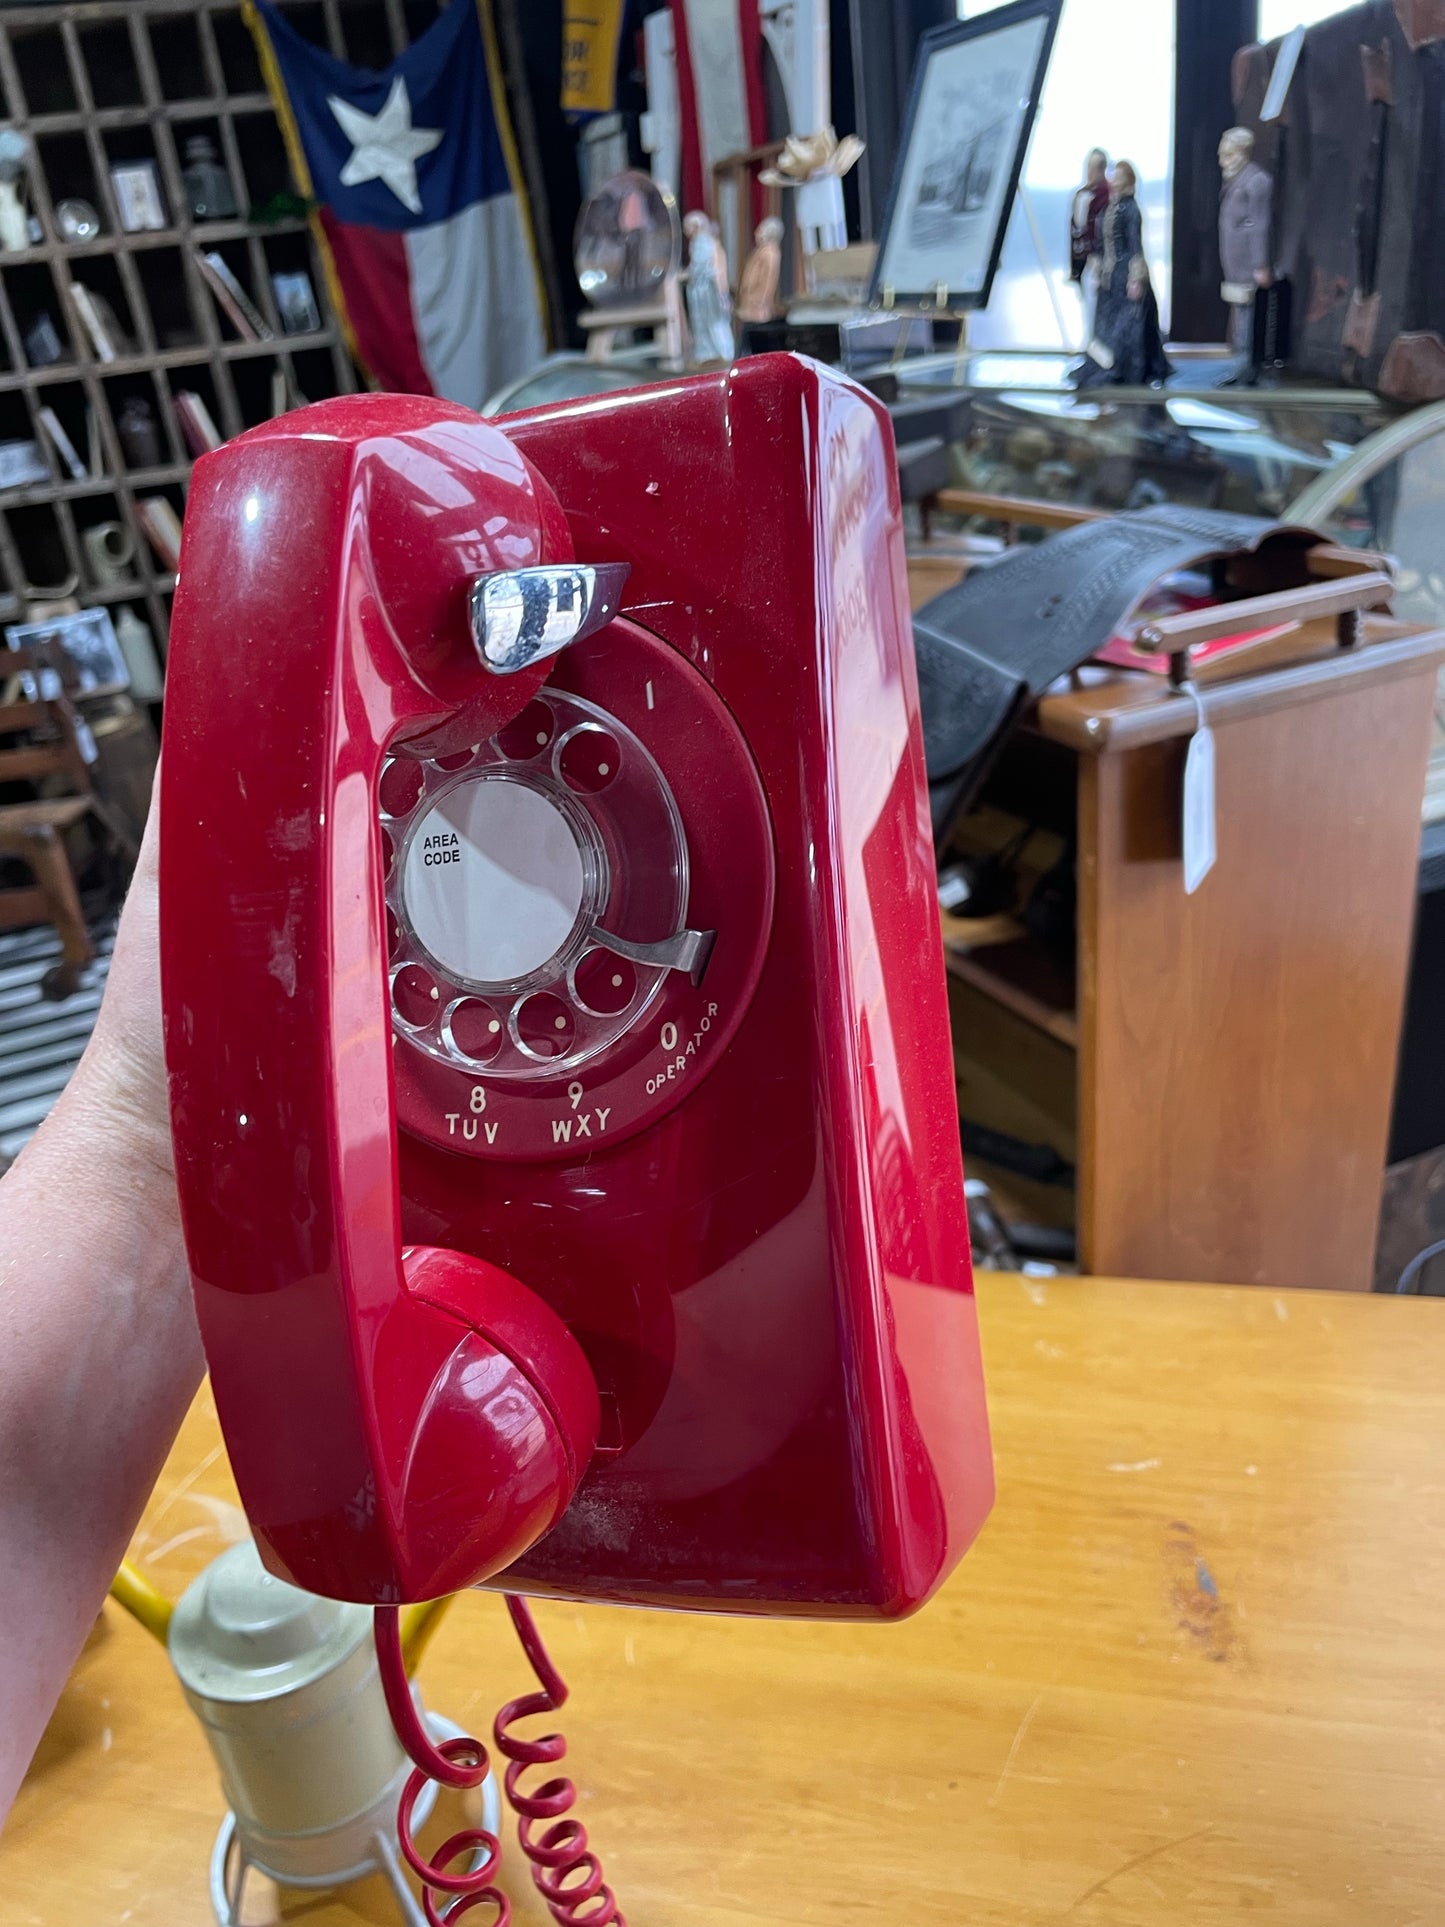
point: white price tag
(1199, 838)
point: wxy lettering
(565, 1128)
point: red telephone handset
(388, 1446)
(564, 1115)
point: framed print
(88, 639)
(296, 303)
(138, 200)
(971, 107)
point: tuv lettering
(469, 1127)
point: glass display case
(569, 376)
(1348, 463)
(1390, 495)
(1344, 461)
(1252, 450)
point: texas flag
(422, 216)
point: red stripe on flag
(694, 188)
(750, 39)
(375, 278)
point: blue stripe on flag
(398, 176)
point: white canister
(287, 1688)
(137, 646)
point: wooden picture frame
(87, 638)
(957, 173)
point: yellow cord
(142, 1601)
(418, 1623)
(153, 1610)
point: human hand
(1136, 290)
(121, 1081)
(101, 1354)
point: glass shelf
(1343, 461)
(1390, 495)
(1250, 450)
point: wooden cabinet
(1235, 1049)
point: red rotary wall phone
(565, 1127)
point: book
(197, 425)
(231, 298)
(163, 528)
(285, 395)
(61, 443)
(94, 313)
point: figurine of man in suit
(1246, 198)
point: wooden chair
(43, 742)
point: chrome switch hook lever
(520, 616)
(687, 950)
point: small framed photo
(138, 200)
(971, 107)
(87, 638)
(296, 303)
(22, 463)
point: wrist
(96, 1182)
(112, 1122)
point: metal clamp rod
(1344, 599)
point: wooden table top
(1193, 1672)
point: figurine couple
(709, 303)
(1106, 255)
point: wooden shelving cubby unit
(110, 81)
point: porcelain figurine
(709, 304)
(762, 272)
(1246, 200)
(1086, 220)
(1127, 349)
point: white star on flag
(385, 146)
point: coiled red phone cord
(565, 1872)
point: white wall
(1278, 16)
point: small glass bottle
(207, 184)
(135, 424)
